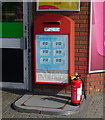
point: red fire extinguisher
(77, 86)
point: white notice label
(46, 29)
(48, 77)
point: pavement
(92, 107)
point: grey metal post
(27, 18)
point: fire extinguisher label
(79, 92)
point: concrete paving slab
(45, 104)
(43, 101)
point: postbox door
(52, 58)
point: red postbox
(53, 49)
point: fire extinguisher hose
(84, 91)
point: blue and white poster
(52, 58)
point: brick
(76, 67)
(76, 33)
(87, 38)
(76, 50)
(99, 87)
(81, 21)
(80, 71)
(82, 67)
(102, 90)
(83, 51)
(77, 42)
(96, 82)
(76, 58)
(75, 17)
(86, 63)
(91, 88)
(87, 87)
(82, 59)
(81, 38)
(91, 83)
(77, 25)
(85, 8)
(84, 17)
(81, 54)
(91, 91)
(96, 78)
(84, 42)
(87, 12)
(81, 30)
(83, 76)
(80, 13)
(97, 90)
(85, 4)
(84, 33)
(84, 26)
(81, 46)
(102, 74)
(88, 75)
(93, 79)
(79, 63)
(95, 75)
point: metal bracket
(23, 43)
(13, 43)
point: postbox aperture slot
(51, 23)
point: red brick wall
(93, 82)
